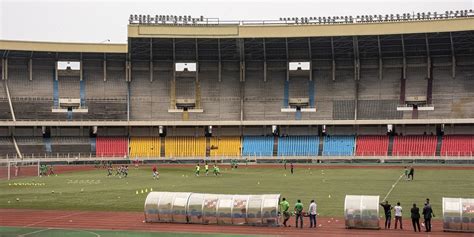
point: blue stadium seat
(257, 146)
(298, 146)
(338, 145)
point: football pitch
(93, 191)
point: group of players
(121, 171)
(215, 170)
(46, 171)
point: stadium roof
(299, 30)
(247, 31)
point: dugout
(458, 214)
(206, 208)
(361, 212)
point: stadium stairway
(208, 146)
(93, 144)
(390, 145)
(48, 145)
(55, 91)
(275, 145)
(439, 143)
(82, 92)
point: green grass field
(327, 187)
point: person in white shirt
(312, 214)
(398, 215)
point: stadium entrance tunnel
(206, 208)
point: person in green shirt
(198, 168)
(406, 173)
(299, 212)
(206, 167)
(285, 205)
(216, 170)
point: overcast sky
(98, 21)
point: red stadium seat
(111, 146)
(457, 145)
(372, 146)
(414, 145)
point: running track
(133, 221)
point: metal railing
(377, 18)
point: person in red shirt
(156, 175)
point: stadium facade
(198, 87)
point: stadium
(321, 108)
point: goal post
(19, 168)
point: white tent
(361, 212)
(458, 214)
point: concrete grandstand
(320, 91)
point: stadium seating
(257, 146)
(71, 146)
(31, 146)
(414, 146)
(338, 145)
(298, 146)
(372, 146)
(185, 146)
(457, 145)
(225, 146)
(145, 147)
(111, 146)
(6, 147)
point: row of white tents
(263, 210)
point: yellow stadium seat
(225, 146)
(185, 146)
(145, 147)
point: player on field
(118, 171)
(197, 169)
(109, 170)
(411, 174)
(216, 170)
(51, 170)
(206, 167)
(125, 171)
(156, 175)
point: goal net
(13, 169)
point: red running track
(133, 221)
